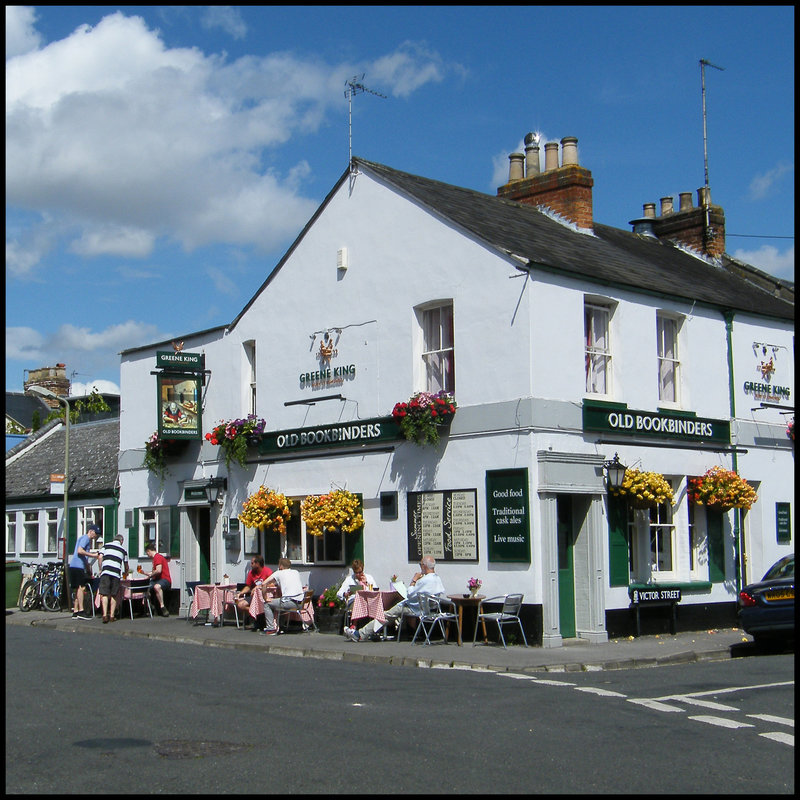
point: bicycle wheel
(52, 598)
(27, 596)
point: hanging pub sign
(617, 418)
(179, 361)
(179, 413)
(508, 515)
(443, 524)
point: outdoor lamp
(615, 472)
(214, 487)
(42, 392)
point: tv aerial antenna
(354, 86)
(706, 198)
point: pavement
(576, 655)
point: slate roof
(93, 457)
(20, 408)
(612, 256)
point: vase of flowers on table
(473, 584)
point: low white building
(563, 341)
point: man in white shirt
(426, 581)
(291, 586)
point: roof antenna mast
(706, 193)
(354, 86)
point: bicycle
(46, 580)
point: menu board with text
(443, 524)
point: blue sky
(161, 159)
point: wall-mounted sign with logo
(617, 418)
(770, 378)
(179, 413)
(180, 362)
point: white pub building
(564, 342)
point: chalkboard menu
(443, 524)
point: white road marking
(721, 722)
(776, 720)
(516, 676)
(727, 691)
(694, 701)
(654, 704)
(601, 692)
(552, 683)
(779, 736)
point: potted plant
(330, 611)
(266, 509)
(339, 510)
(721, 489)
(156, 451)
(423, 415)
(644, 489)
(235, 436)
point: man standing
(291, 586)
(160, 579)
(424, 582)
(113, 559)
(80, 570)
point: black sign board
(508, 515)
(443, 525)
(655, 595)
(783, 522)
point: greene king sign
(617, 418)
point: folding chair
(508, 615)
(306, 611)
(139, 590)
(433, 613)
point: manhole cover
(180, 748)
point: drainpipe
(738, 548)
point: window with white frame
(662, 540)
(438, 347)
(154, 526)
(30, 532)
(667, 328)
(51, 536)
(653, 543)
(250, 356)
(697, 542)
(596, 324)
(11, 532)
(91, 515)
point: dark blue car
(766, 608)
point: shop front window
(154, 527)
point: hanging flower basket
(790, 429)
(236, 436)
(157, 451)
(338, 510)
(721, 489)
(644, 489)
(422, 417)
(267, 510)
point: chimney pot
(531, 155)
(550, 156)
(703, 196)
(515, 169)
(649, 210)
(569, 151)
(666, 206)
(686, 201)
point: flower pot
(329, 620)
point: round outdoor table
(470, 601)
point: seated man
(291, 586)
(257, 574)
(426, 581)
(160, 579)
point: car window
(783, 569)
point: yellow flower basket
(339, 510)
(266, 509)
(645, 489)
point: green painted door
(566, 571)
(204, 540)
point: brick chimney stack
(700, 227)
(565, 190)
(52, 378)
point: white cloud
(123, 141)
(21, 35)
(227, 18)
(78, 389)
(762, 185)
(770, 260)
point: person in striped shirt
(113, 560)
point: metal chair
(508, 615)
(140, 590)
(306, 608)
(190, 587)
(406, 612)
(433, 613)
